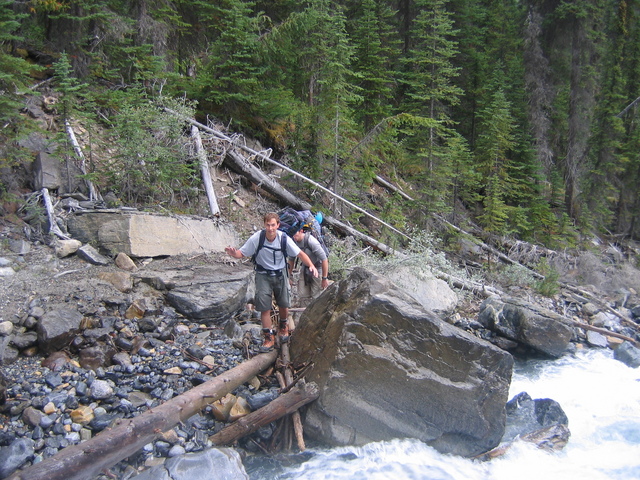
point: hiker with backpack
(269, 249)
(309, 286)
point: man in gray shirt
(270, 248)
(310, 286)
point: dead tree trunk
(53, 225)
(87, 459)
(206, 173)
(285, 404)
(93, 192)
(239, 159)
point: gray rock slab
(146, 235)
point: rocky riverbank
(130, 352)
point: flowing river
(600, 396)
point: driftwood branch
(53, 225)
(285, 404)
(206, 173)
(602, 331)
(93, 193)
(87, 459)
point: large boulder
(141, 234)
(206, 293)
(525, 323)
(387, 368)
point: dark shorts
(268, 287)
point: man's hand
(234, 252)
(313, 270)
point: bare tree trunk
(93, 193)
(53, 225)
(392, 187)
(285, 404)
(87, 459)
(206, 173)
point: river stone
(57, 327)
(225, 462)
(64, 248)
(526, 323)
(387, 368)
(15, 455)
(525, 415)
(627, 354)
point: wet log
(285, 404)
(88, 459)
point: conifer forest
(519, 116)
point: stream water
(600, 396)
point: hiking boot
(283, 330)
(269, 340)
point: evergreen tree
(230, 83)
(494, 146)
(14, 77)
(14, 71)
(430, 92)
(375, 55)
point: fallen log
(254, 174)
(285, 404)
(606, 333)
(88, 459)
(238, 160)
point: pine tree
(230, 83)
(430, 92)
(14, 71)
(494, 146)
(375, 54)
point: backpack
(263, 237)
(290, 220)
(312, 226)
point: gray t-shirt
(270, 256)
(311, 246)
